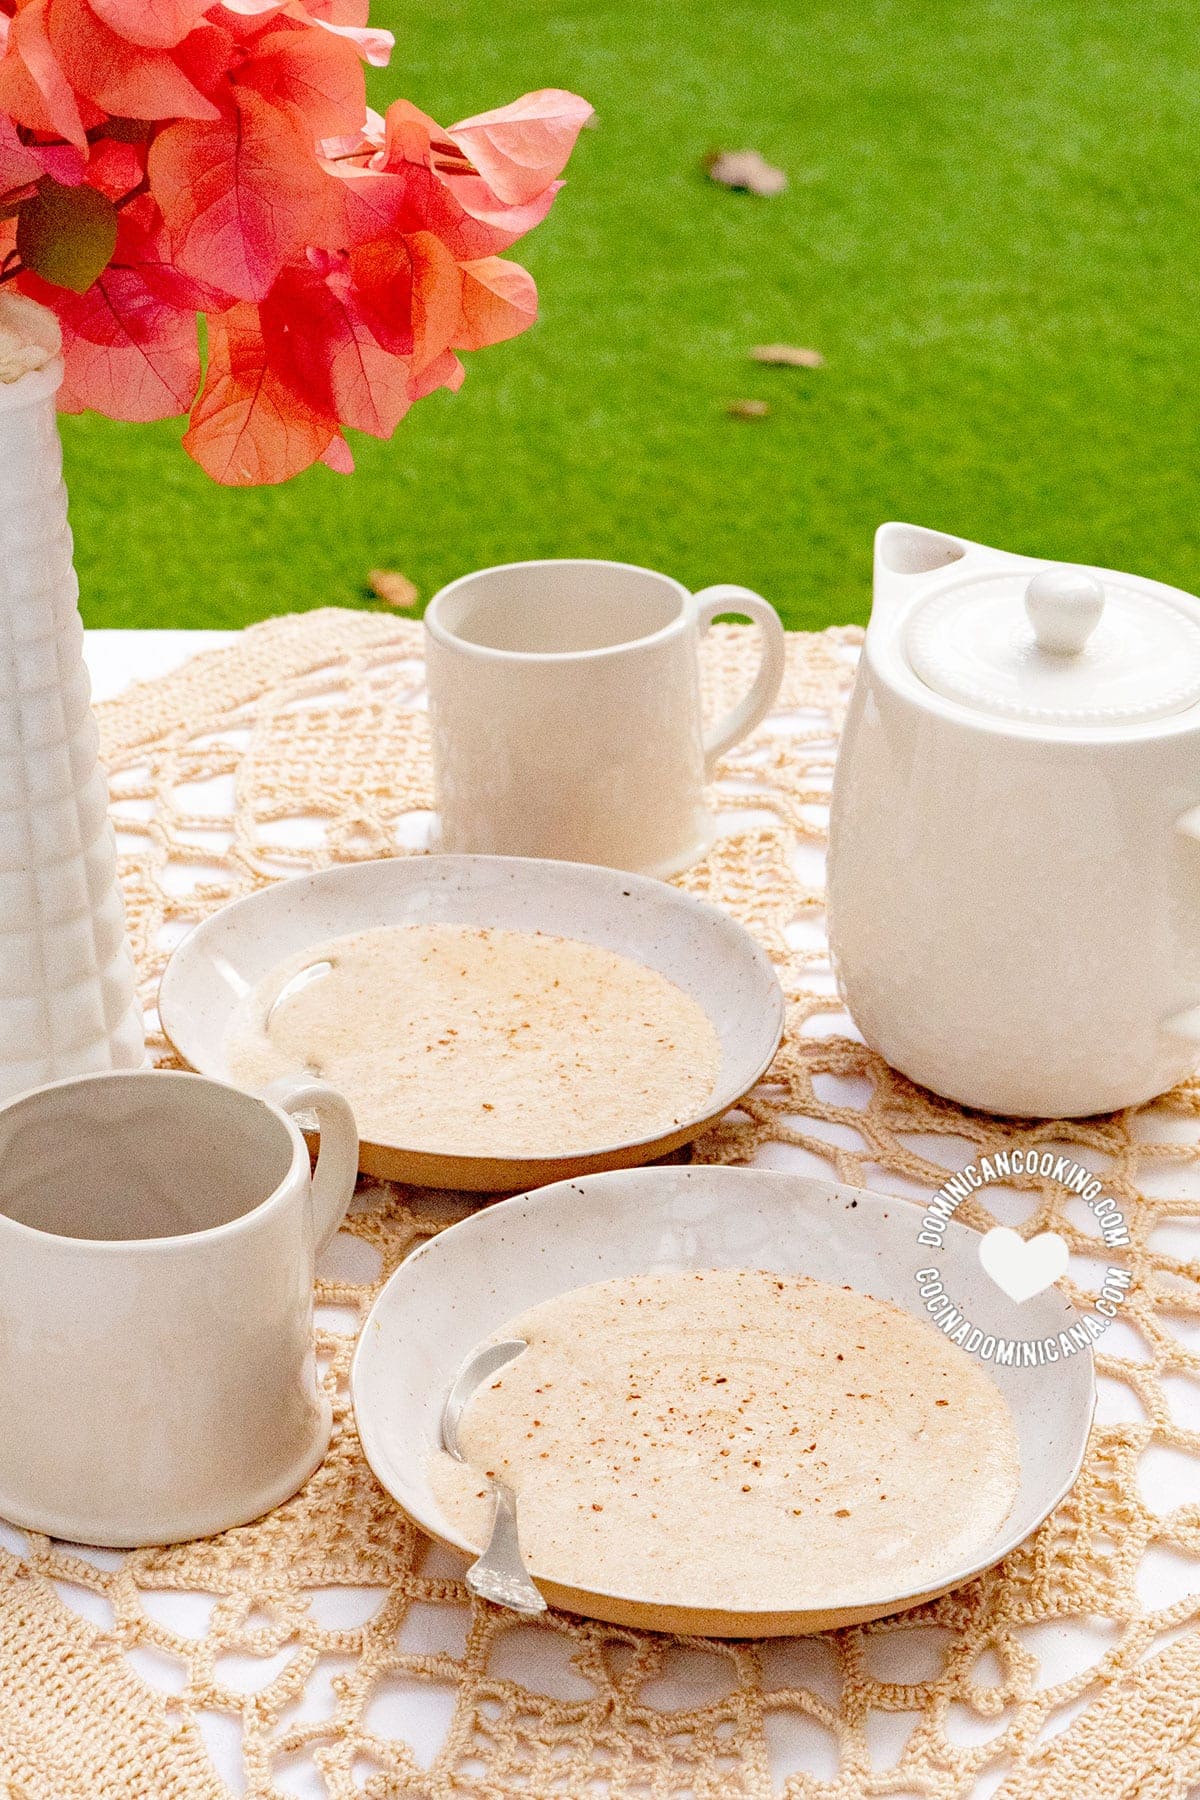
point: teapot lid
(1064, 648)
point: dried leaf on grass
(791, 355)
(745, 169)
(747, 409)
(394, 589)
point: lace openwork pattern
(298, 1646)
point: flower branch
(163, 159)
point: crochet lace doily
(291, 1646)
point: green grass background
(991, 232)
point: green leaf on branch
(67, 234)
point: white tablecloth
(421, 1714)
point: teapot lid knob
(1064, 608)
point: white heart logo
(1023, 1267)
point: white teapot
(1014, 881)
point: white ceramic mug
(157, 1238)
(565, 707)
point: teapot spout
(913, 550)
(904, 553)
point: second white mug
(565, 706)
(157, 1236)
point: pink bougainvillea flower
(250, 425)
(155, 24)
(336, 455)
(123, 78)
(130, 341)
(318, 336)
(20, 165)
(315, 74)
(499, 300)
(250, 9)
(240, 197)
(339, 12)
(246, 18)
(410, 290)
(445, 371)
(23, 163)
(375, 47)
(357, 146)
(519, 149)
(142, 245)
(126, 353)
(168, 158)
(34, 91)
(419, 181)
(115, 168)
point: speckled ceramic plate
(461, 1286)
(701, 949)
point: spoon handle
(499, 1574)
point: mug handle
(336, 1172)
(741, 719)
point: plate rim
(624, 1609)
(483, 1164)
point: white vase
(68, 1003)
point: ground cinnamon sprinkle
(733, 1421)
(555, 1047)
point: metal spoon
(294, 983)
(499, 1573)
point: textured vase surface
(67, 995)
